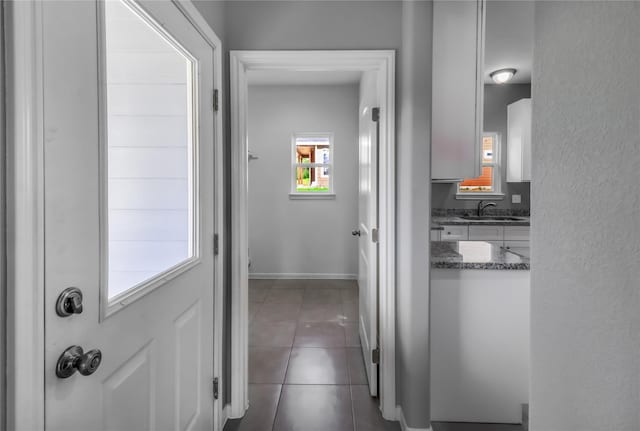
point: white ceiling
(295, 77)
(509, 39)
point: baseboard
(301, 276)
(403, 422)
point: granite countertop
(458, 220)
(475, 255)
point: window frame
(496, 164)
(109, 305)
(294, 193)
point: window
(150, 133)
(489, 182)
(312, 163)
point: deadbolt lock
(69, 302)
(75, 359)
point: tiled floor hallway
(306, 371)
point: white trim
(25, 216)
(224, 416)
(300, 276)
(403, 422)
(112, 305)
(496, 180)
(479, 196)
(312, 196)
(197, 20)
(383, 62)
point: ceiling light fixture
(502, 75)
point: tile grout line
(345, 348)
(346, 354)
(273, 424)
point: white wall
(586, 209)
(309, 237)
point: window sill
(480, 196)
(312, 196)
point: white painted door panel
(157, 344)
(368, 221)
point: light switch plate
(516, 199)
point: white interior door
(367, 225)
(129, 215)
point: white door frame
(382, 62)
(25, 212)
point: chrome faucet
(482, 207)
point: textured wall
(3, 244)
(414, 145)
(302, 236)
(586, 208)
(496, 99)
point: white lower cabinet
(517, 233)
(503, 236)
(493, 234)
(454, 233)
(479, 345)
(516, 244)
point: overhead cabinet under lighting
(458, 62)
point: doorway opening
(312, 162)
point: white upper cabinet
(457, 94)
(519, 141)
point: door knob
(355, 232)
(69, 302)
(75, 359)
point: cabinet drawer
(516, 244)
(454, 233)
(516, 233)
(486, 233)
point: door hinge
(375, 355)
(215, 100)
(216, 246)
(374, 235)
(216, 388)
(375, 114)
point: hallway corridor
(306, 370)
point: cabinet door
(516, 244)
(516, 233)
(519, 141)
(455, 233)
(486, 233)
(457, 95)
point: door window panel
(150, 147)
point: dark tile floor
(462, 426)
(306, 371)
